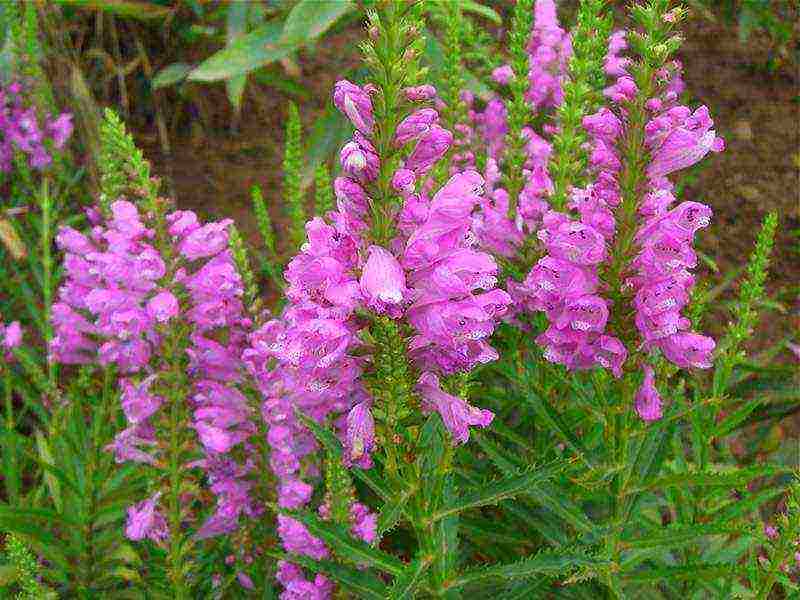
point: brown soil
(758, 114)
(213, 167)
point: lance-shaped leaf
(497, 491)
(311, 18)
(544, 563)
(406, 585)
(731, 479)
(260, 47)
(690, 572)
(677, 536)
(346, 546)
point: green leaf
(260, 47)
(236, 27)
(734, 478)
(480, 9)
(406, 585)
(329, 132)
(551, 419)
(53, 484)
(234, 88)
(544, 563)
(342, 542)
(393, 509)
(676, 536)
(170, 75)
(8, 574)
(692, 572)
(736, 418)
(136, 9)
(503, 489)
(311, 18)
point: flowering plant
(485, 375)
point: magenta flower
(415, 125)
(354, 102)
(297, 539)
(359, 437)
(648, 400)
(432, 146)
(163, 306)
(420, 93)
(146, 521)
(503, 75)
(456, 414)
(383, 282)
(359, 159)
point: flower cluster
(119, 297)
(21, 131)
(675, 137)
(10, 337)
(431, 276)
(549, 51)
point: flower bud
(355, 103)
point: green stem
(10, 457)
(46, 243)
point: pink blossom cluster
(431, 275)
(549, 49)
(676, 138)
(10, 338)
(114, 307)
(20, 130)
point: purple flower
(206, 241)
(648, 400)
(456, 414)
(163, 306)
(415, 125)
(364, 523)
(403, 181)
(60, 129)
(293, 493)
(12, 335)
(359, 438)
(297, 539)
(359, 159)
(420, 93)
(137, 402)
(354, 102)
(503, 74)
(146, 521)
(383, 282)
(432, 146)
(688, 349)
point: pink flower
(415, 125)
(456, 414)
(358, 158)
(648, 400)
(383, 282)
(432, 146)
(354, 102)
(146, 521)
(503, 74)
(420, 93)
(359, 439)
(163, 306)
